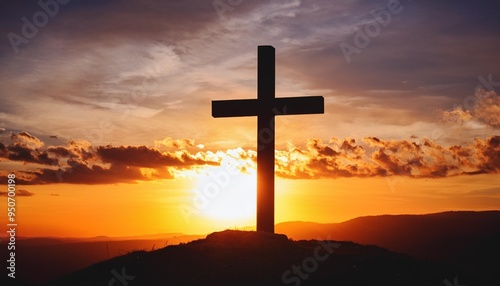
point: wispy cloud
(140, 65)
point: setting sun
(225, 194)
(234, 200)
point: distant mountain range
(440, 236)
(433, 249)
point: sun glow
(224, 195)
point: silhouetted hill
(255, 258)
(42, 259)
(466, 242)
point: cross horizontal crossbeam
(279, 106)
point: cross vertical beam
(265, 138)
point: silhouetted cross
(265, 107)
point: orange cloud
(79, 162)
(484, 107)
(174, 143)
(487, 108)
(420, 159)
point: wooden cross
(266, 107)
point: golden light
(226, 194)
(222, 195)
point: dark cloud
(20, 153)
(145, 157)
(59, 151)
(19, 193)
(79, 162)
(83, 174)
(412, 64)
(112, 21)
(25, 147)
(488, 152)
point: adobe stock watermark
(470, 102)
(265, 135)
(122, 277)
(396, 178)
(455, 282)
(97, 135)
(224, 6)
(12, 224)
(60, 172)
(296, 274)
(362, 37)
(210, 190)
(125, 105)
(487, 84)
(40, 19)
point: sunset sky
(105, 111)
